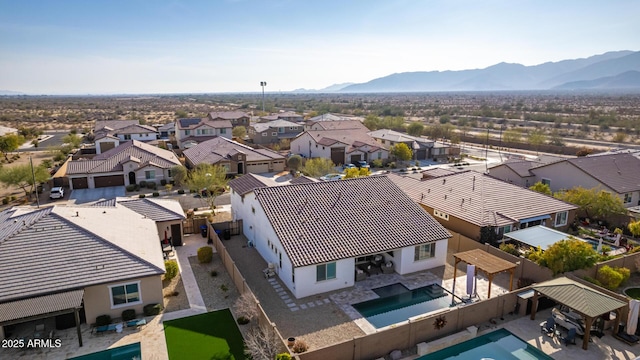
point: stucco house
(190, 132)
(129, 163)
(285, 115)
(468, 201)
(330, 117)
(109, 134)
(75, 261)
(340, 146)
(237, 118)
(516, 171)
(318, 233)
(273, 131)
(235, 157)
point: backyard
(213, 335)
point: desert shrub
(510, 249)
(156, 194)
(163, 182)
(214, 273)
(205, 254)
(5, 201)
(142, 196)
(128, 314)
(377, 163)
(143, 184)
(171, 267)
(592, 280)
(181, 191)
(612, 278)
(131, 187)
(300, 346)
(243, 320)
(151, 185)
(392, 165)
(224, 287)
(633, 250)
(103, 320)
(12, 198)
(283, 356)
(152, 309)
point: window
(424, 251)
(150, 174)
(274, 134)
(379, 155)
(169, 173)
(440, 214)
(265, 133)
(187, 132)
(326, 271)
(561, 218)
(281, 130)
(223, 131)
(503, 230)
(127, 137)
(125, 294)
(627, 198)
(546, 182)
(198, 132)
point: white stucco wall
(504, 173)
(306, 284)
(139, 137)
(405, 263)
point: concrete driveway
(81, 196)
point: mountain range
(616, 70)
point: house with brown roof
(422, 147)
(273, 131)
(468, 201)
(109, 134)
(192, 131)
(342, 146)
(234, 156)
(320, 235)
(129, 163)
(338, 125)
(285, 115)
(617, 173)
(62, 261)
(237, 118)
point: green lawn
(633, 292)
(203, 336)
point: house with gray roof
(129, 163)
(329, 117)
(516, 171)
(109, 134)
(71, 259)
(273, 131)
(192, 131)
(237, 158)
(617, 173)
(320, 235)
(342, 146)
(237, 118)
(468, 201)
(423, 148)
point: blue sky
(155, 46)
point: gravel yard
(174, 303)
(212, 287)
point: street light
(263, 84)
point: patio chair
(137, 323)
(269, 271)
(388, 268)
(360, 275)
(548, 327)
(106, 328)
(571, 337)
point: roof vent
(444, 181)
(77, 214)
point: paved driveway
(81, 196)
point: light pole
(263, 84)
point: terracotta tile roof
(112, 159)
(480, 199)
(303, 180)
(327, 221)
(219, 148)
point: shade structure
(485, 262)
(632, 321)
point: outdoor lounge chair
(360, 275)
(571, 337)
(629, 339)
(106, 328)
(137, 323)
(387, 268)
(548, 327)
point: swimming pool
(615, 250)
(497, 345)
(126, 352)
(397, 303)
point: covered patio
(485, 262)
(582, 299)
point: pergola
(485, 262)
(582, 299)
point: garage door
(337, 155)
(106, 181)
(356, 158)
(80, 183)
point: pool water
(126, 352)
(397, 303)
(497, 345)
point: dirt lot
(37, 157)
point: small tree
(415, 129)
(541, 188)
(594, 203)
(72, 139)
(401, 152)
(9, 143)
(634, 227)
(294, 162)
(245, 306)
(318, 167)
(239, 132)
(568, 255)
(22, 177)
(209, 180)
(355, 172)
(261, 343)
(612, 278)
(179, 175)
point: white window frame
(326, 272)
(223, 131)
(420, 252)
(127, 136)
(265, 133)
(628, 198)
(149, 174)
(274, 134)
(139, 301)
(187, 132)
(560, 216)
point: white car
(56, 193)
(332, 177)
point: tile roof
(155, 209)
(66, 248)
(46, 304)
(480, 199)
(228, 115)
(520, 167)
(248, 182)
(327, 221)
(113, 124)
(219, 148)
(342, 125)
(331, 117)
(111, 160)
(396, 136)
(303, 179)
(349, 137)
(136, 129)
(620, 172)
(260, 127)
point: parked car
(56, 193)
(362, 164)
(332, 177)
(348, 166)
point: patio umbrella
(617, 242)
(632, 321)
(599, 248)
(471, 273)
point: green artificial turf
(204, 336)
(633, 292)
